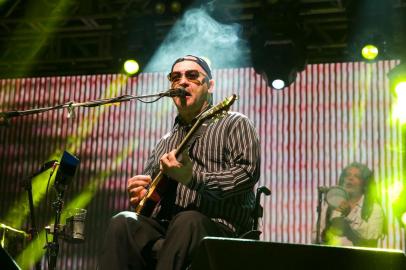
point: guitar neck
(188, 136)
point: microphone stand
(53, 247)
(33, 232)
(5, 116)
(33, 229)
(319, 202)
(66, 171)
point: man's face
(198, 89)
(353, 183)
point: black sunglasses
(191, 75)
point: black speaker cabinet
(227, 253)
(6, 262)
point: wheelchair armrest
(258, 209)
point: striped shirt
(226, 166)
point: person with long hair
(359, 220)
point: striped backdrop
(332, 115)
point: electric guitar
(148, 203)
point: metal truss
(97, 35)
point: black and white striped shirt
(226, 166)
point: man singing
(211, 190)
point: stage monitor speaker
(6, 262)
(228, 253)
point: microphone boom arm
(4, 116)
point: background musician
(210, 189)
(359, 220)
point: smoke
(197, 33)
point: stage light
(404, 219)
(278, 62)
(160, 8)
(277, 44)
(400, 88)
(176, 7)
(399, 204)
(369, 52)
(278, 84)
(370, 45)
(370, 34)
(397, 79)
(131, 67)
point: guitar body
(149, 207)
(154, 196)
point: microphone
(47, 165)
(176, 92)
(323, 189)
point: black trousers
(136, 242)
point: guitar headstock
(219, 108)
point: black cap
(200, 61)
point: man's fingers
(137, 188)
(134, 201)
(137, 194)
(143, 193)
(185, 159)
(138, 180)
(136, 184)
(164, 157)
(135, 191)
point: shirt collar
(180, 123)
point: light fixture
(277, 44)
(399, 207)
(160, 8)
(131, 67)
(278, 61)
(370, 29)
(135, 40)
(278, 84)
(369, 52)
(370, 46)
(176, 6)
(397, 80)
(404, 219)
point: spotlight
(370, 46)
(278, 62)
(278, 84)
(160, 8)
(176, 7)
(371, 29)
(400, 88)
(400, 213)
(131, 67)
(369, 52)
(397, 78)
(277, 43)
(399, 205)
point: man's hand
(136, 187)
(180, 171)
